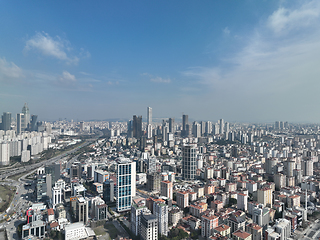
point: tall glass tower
(26, 112)
(189, 162)
(126, 184)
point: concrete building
(137, 209)
(265, 196)
(160, 210)
(242, 201)
(182, 199)
(208, 222)
(149, 227)
(166, 189)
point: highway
(15, 171)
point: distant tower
(6, 121)
(184, 125)
(171, 125)
(26, 112)
(221, 126)
(149, 115)
(306, 204)
(137, 126)
(20, 120)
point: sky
(243, 61)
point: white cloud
(276, 75)
(160, 80)
(54, 47)
(9, 70)
(285, 19)
(67, 78)
(226, 31)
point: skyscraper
(184, 125)
(189, 162)
(25, 111)
(221, 126)
(137, 126)
(149, 115)
(20, 122)
(171, 125)
(126, 184)
(6, 121)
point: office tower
(171, 125)
(221, 123)
(20, 122)
(161, 210)
(25, 111)
(54, 170)
(75, 171)
(307, 168)
(265, 196)
(130, 129)
(4, 153)
(166, 189)
(137, 126)
(277, 125)
(137, 209)
(56, 196)
(165, 131)
(43, 187)
(149, 227)
(149, 115)
(189, 162)
(6, 121)
(82, 210)
(185, 131)
(126, 184)
(33, 123)
(108, 191)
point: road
(19, 170)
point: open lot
(6, 196)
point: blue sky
(249, 61)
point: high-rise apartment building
(166, 189)
(149, 227)
(221, 124)
(189, 162)
(307, 167)
(4, 153)
(161, 210)
(183, 199)
(137, 209)
(20, 122)
(265, 196)
(208, 222)
(126, 184)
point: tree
(232, 201)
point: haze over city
(253, 61)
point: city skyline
(240, 61)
